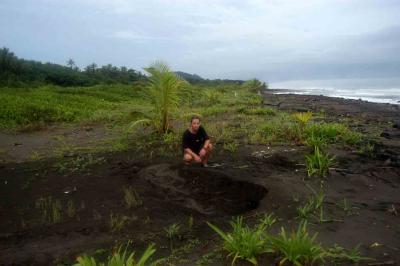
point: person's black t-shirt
(194, 141)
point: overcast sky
(271, 40)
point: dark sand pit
(207, 191)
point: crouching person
(196, 143)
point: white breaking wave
(372, 90)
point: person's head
(195, 123)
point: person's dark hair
(194, 117)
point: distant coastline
(371, 90)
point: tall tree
(71, 63)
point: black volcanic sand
(255, 180)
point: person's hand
(197, 159)
(203, 152)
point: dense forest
(17, 72)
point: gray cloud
(271, 40)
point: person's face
(195, 125)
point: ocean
(373, 90)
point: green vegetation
(299, 248)
(71, 210)
(190, 222)
(15, 72)
(38, 107)
(315, 207)
(303, 118)
(172, 232)
(163, 94)
(254, 85)
(332, 132)
(318, 163)
(244, 242)
(50, 210)
(118, 222)
(119, 258)
(232, 114)
(131, 197)
(231, 147)
(78, 163)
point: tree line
(17, 72)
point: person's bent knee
(187, 157)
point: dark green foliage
(49, 104)
(299, 248)
(318, 163)
(245, 242)
(15, 72)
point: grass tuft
(318, 163)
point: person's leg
(206, 155)
(187, 158)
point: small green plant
(71, 210)
(190, 222)
(244, 242)
(313, 204)
(35, 156)
(329, 132)
(351, 138)
(119, 258)
(211, 97)
(172, 231)
(367, 150)
(131, 197)
(298, 130)
(78, 163)
(299, 248)
(208, 258)
(171, 141)
(256, 111)
(267, 220)
(231, 147)
(303, 118)
(118, 222)
(254, 85)
(347, 207)
(163, 92)
(316, 141)
(318, 163)
(51, 211)
(303, 212)
(339, 253)
(319, 199)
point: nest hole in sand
(207, 191)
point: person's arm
(188, 150)
(205, 146)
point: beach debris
(261, 154)
(390, 262)
(392, 210)
(375, 245)
(214, 165)
(69, 190)
(241, 166)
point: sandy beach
(362, 202)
